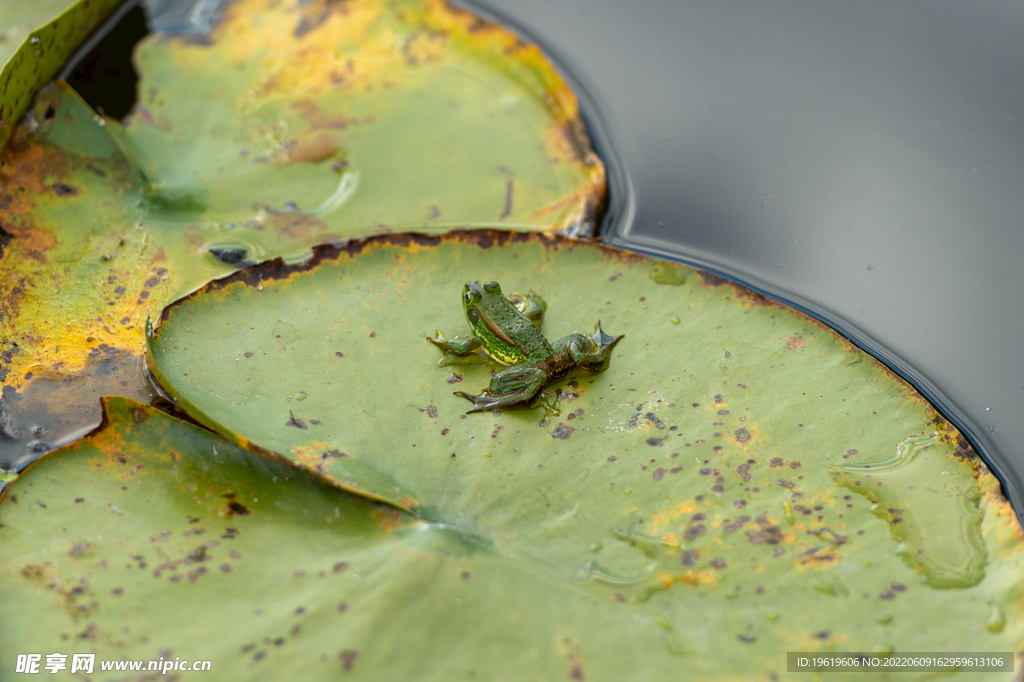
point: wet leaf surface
(35, 39)
(714, 468)
(154, 538)
(292, 124)
(78, 274)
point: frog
(507, 329)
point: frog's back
(512, 337)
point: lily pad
(35, 39)
(154, 538)
(710, 469)
(292, 124)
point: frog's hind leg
(531, 306)
(463, 346)
(512, 388)
(589, 351)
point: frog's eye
(491, 287)
(469, 297)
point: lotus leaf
(292, 124)
(720, 474)
(154, 538)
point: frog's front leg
(463, 346)
(589, 351)
(518, 386)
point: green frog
(508, 330)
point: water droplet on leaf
(936, 527)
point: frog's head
(477, 297)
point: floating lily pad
(292, 124)
(355, 118)
(709, 470)
(154, 538)
(35, 39)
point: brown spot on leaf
(744, 471)
(730, 527)
(694, 532)
(653, 420)
(348, 658)
(78, 548)
(794, 342)
(562, 431)
(771, 535)
(237, 508)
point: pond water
(862, 162)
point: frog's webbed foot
(592, 351)
(602, 340)
(513, 388)
(456, 345)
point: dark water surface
(863, 161)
